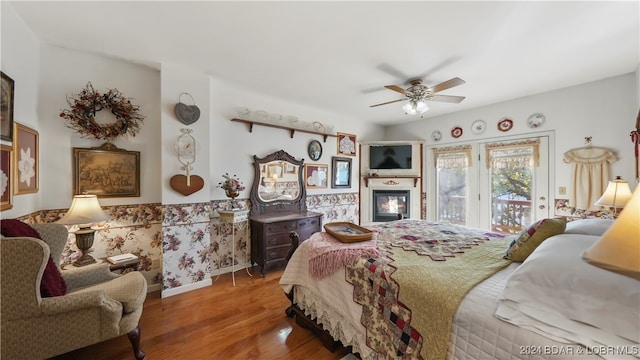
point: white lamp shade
(618, 249)
(616, 195)
(84, 211)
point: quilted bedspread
(411, 292)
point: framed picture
(26, 160)
(6, 179)
(6, 108)
(106, 171)
(346, 144)
(316, 175)
(340, 172)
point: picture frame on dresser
(106, 171)
(340, 173)
(26, 160)
(6, 108)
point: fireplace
(388, 204)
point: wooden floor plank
(218, 322)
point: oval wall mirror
(315, 150)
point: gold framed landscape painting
(26, 162)
(106, 171)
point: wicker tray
(347, 232)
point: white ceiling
(338, 56)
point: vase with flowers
(232, 187)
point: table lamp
(85, 211)
(618, 249)
(616, 195)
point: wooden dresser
(270, 242)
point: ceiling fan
(418, 94)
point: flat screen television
(390, 157)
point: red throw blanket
(326, 254)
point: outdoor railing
(510, 216)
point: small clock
(315, 150)
(535, 120)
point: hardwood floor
(218, 322)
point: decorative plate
(436, 135)
(478, 127)
(505, 124)
(456, 132)
(535, 120)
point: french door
(500, 185)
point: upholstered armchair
(98, 304)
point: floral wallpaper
(185, 243)
(132, 229)
(562, 208)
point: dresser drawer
(281, 227)
(277, 240)
(277, 253)
(313, 222)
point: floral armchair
(98, 304)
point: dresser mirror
(277, 185)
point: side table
(231, 218)
(125, 266)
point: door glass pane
(452, 175)
(511, 173)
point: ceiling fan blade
(388, 102)
(447, 98)
(396, 88)
(446, 85)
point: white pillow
(559, 295)
(595, 227)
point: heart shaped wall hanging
(186, 185)
(187, 114)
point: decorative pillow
(52, 283)
(595, 227)
(529, 239)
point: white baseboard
(186, 288)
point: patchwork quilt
(410, 293)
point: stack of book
(118, 259)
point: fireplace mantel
(367, 177)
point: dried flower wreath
(84, 106)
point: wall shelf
(292, 131)
(415, 178)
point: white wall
(20, 54)
(175, 81)
(233, 146)
(46, 74)
(605, 110)
(66, 72)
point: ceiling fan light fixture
(421, 106)
(409, 107)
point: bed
(399, 304)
